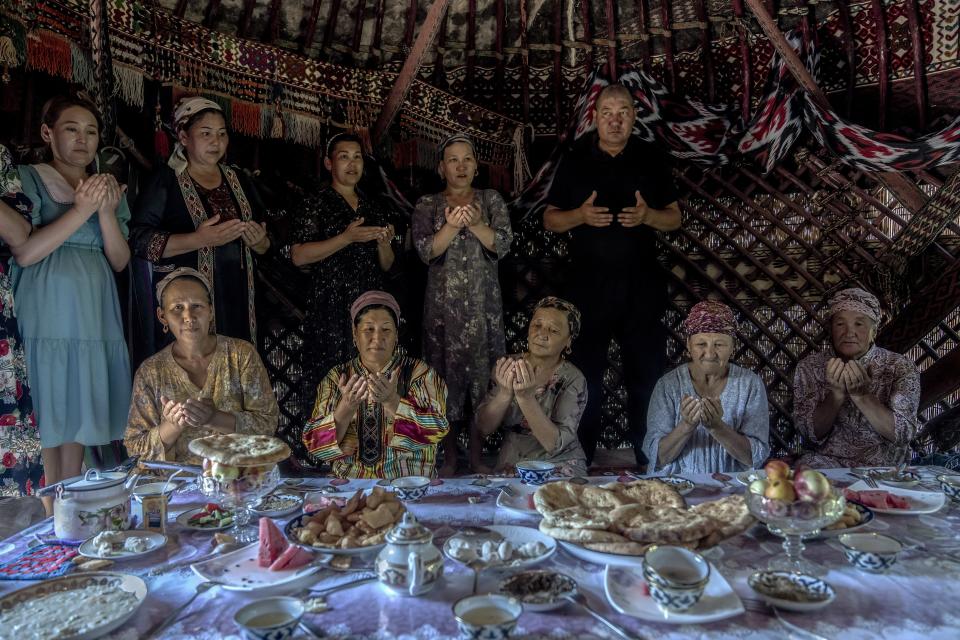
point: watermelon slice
(272, 542)
(877, 499)
(292, 558)
(530, 503)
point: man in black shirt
(613, 193)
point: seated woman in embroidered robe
(539, 396)
(381, 414)
(200, 384)
(857, 403)
(708, 415)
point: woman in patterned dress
(343, 240)
(67, 303)
(854, 401)
(462, 233)
(199, 213)
(538, 397)
(19, 440)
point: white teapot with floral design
(410, 564)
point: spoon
(577, 599)
(201, 588)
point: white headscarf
(186, 108)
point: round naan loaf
(240, 450)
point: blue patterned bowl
(411, 487)
(676, 577)
(950, 485)
(270, 618)
(872, 552)
(791, 590)
(489, 617)
(535, 471)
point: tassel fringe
(128, 83)
(246, 119)
(8, 52)
(82, 66)
(48, 52)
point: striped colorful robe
(374, 446)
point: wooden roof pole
(909, 194)
(428, 31)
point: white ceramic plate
(517, 536)
(65, 584)
(682, 485)
(184, 521)
(240, 571)
(599, 557)
(883, 475)
(626, 592)
(295, 503)
(866, 517)
(155, 541)
(746, 477)
(519, 503)
(920, 501)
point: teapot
(97, 501)
(409, 564)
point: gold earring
(166, 329)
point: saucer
(627, 593)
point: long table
(918, 598)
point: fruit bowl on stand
(795, 505)
(238, 471)
(241, 493)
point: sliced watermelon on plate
(272, 542)
(292, 558)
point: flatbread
(240, 450)
(666, 525)
(626, 548)
(557, 495)
(652, 492)
(580, 535)
(732, 515)
(580, 517)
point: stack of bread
(628, 518)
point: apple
(224, 472)
(780, 489)
(777, 469)
(811, 486)
(758, 487)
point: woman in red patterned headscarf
(708, 415)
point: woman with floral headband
(461, 233)
(200, 384)
(199, 213)
(538, 397)
(708, 415)
(854, 401)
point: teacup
(411, 487)
(270, 618)
(535, 471)
(950, 485)
(488, 617)
(873, 552)
(676, 577)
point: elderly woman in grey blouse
(708, 415)
(538, 396)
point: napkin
(40, 562)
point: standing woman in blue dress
(65, 292)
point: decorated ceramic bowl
(872, 552)
(270, 618)
(487, 617)
(792, 591)
(676, 576)
(950, 485)
(411, 488)
(535, 471)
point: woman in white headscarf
(199, 213)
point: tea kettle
(409, 564)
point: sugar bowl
(409, 564)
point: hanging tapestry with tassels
(152, 43)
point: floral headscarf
(710, 316)
(573, 314)
(186, 108)
(857, 300)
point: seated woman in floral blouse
(538, 396)
(708, 415)
(381, 414)
(857, 403)
(200, 384)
